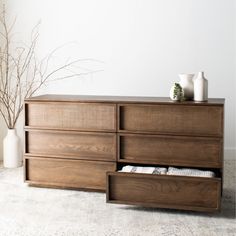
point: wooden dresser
(82, 142)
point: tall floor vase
(12, 154)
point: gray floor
(28, 211)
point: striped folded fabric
(144, 170)
(190, 172)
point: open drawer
(164, 191)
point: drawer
(67, 173)
(172, 119)
(71, 116)
(65, 144)
(170, 150)
(163, 191)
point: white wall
(143, 45)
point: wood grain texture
(177, 192)
(120, 99)
(71, 116)
(71, 142)
(170, 150)
(171, 119)
(77, 145)
(67, 173)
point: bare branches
(22, 75)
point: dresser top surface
(118, 99)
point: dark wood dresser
(82, 141)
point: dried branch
(22, 75)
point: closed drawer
(71, 116)
(172, 119)
(177, 192)
(170, 150)
(79, 145)
(67, 173)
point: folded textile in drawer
(190, 172)
(144, 170)
(169, 171)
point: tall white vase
(12, 155)
(200, 88)
(186, 82)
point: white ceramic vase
(12, 155)
(186, 82)
(200, 88)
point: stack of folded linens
(170, 171)
(144, 170)
(190, 172)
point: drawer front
(67, 173)
(75, 116)
(171, 150)
(177, 192)
(172, 119)
(80, 145)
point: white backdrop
(142, 45)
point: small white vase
(186, 82)
(200, 88)
(12, 155)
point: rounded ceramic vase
(186, 82)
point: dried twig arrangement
(21, 74)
